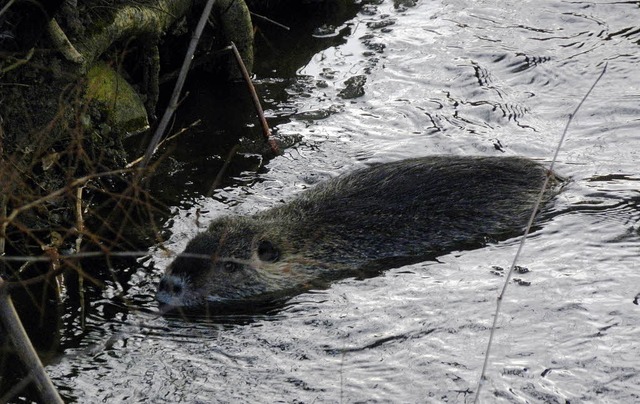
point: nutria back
(378, 217)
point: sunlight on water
(445, 77)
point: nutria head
(235, 259)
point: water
(441, 77)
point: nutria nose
(169, 286)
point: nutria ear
(267, 251)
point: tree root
(62, 43)
(147, 23)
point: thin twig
(6, 6)
(67, 258)
(3, 219)
(24, 349)
(80, 230)
(276, 23)
(170, 138)
(18, 62)
(58, 271)
(75, 256)
(3, 197)
(524, 237)
(79, 219)
(184, 70)
(256, 102)
(218, 179)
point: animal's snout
(174, 291)
(170, 286)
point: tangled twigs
(24, 349)
(73, 184)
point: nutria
(370, 219)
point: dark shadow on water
(229, 313)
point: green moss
(119, 103)
(236, 27)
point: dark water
(441, 77)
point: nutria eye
(268, 252)
(230, 266)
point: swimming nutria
(378, 217)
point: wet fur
(382, 216)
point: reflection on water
(443, 77)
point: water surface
(398, 81)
